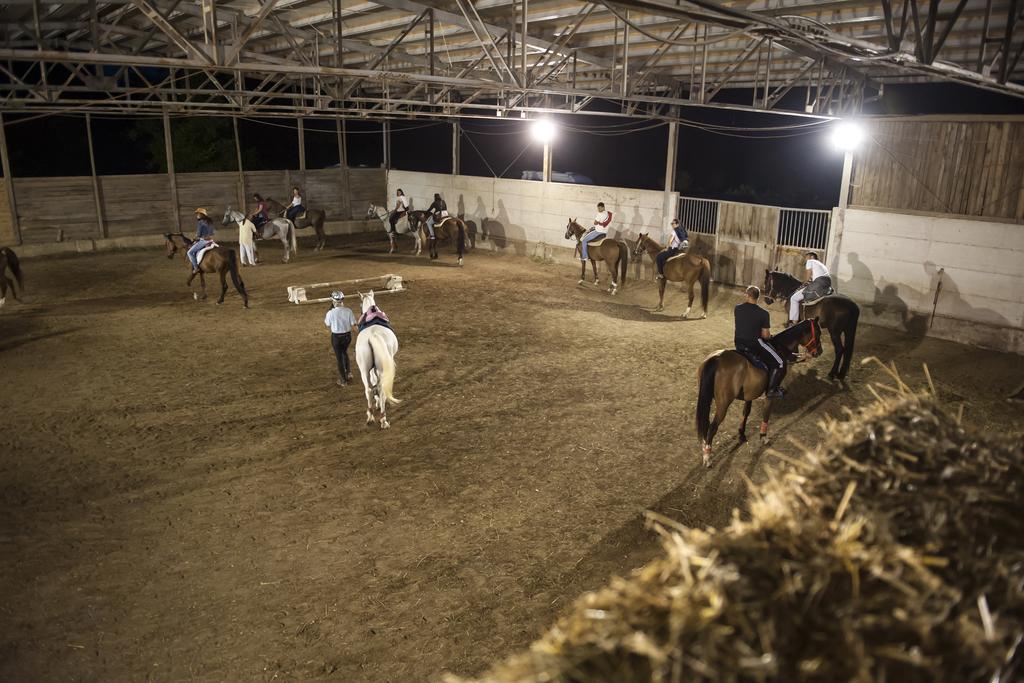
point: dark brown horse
(450, 228)
(9, 261)
(688, 268)
(311, 218)
(727, 375)
(837, 314)
(220, 260)
(613, 252)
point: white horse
(376, 347)
(281, 228)
(410, 227)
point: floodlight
(847, 136)
(543, 130)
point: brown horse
(311, 218)
(613, 252)
(450, 228)
(727, 375)
(838, 314)
(9, 260)
(218, 260)
(686, 268)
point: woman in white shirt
(296, 207)
(819, 284)
(401, 208)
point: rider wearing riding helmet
(204, 236)
(818, 283)
(678, 242)
(341, 321)
(401, 208)
(597, 231)
(438, 211)
(752, 333)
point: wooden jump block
(388, 283)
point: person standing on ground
(341, 321)
(247, 242)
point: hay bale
(892, 552)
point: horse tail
(705, 283)
(385, 365)
(291, 229)
(462, 236)
(849, 337)
(705, 394)
(623, 263)
(14, 265)
(236, 278)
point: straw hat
(202, 212)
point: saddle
(374, 316)
(301, 216)
(596, 243)
(681, 254)
(752, 359)
(815, 297)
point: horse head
(228, 216)
(371, 211)
(807, 334)
(367, 301)
(569, 232)
(639, 248)
(171, 245)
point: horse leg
(721, 408)
(689, 304)
(3, 288)
(202, 280)
(661, 294)
(583, 272)
(597, 280)
(837, 344)
(223, 285)
(764, 421)
(742, 425)
(284, 245)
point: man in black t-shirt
(752, 329)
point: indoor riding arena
(524, 475)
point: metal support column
(241, 172)
(387, 144)
(525, 25)
(669, 202)
(100, 223)
(456, 135)
(339, 125)
(835, 237)
(169, 152)
(9, 182)
(546, 171)
(302, 145)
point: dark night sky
(788, 166)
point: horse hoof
(384, 424)
(659, 309)
(580, 282)
(765, 440)
(743, 437)
(704, 316)
(195, 296)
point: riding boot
(774, 390)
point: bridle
(813, 344)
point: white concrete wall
(890, 263)
(529, 217)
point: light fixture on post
(846, 137)
(543, 130)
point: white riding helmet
(337, 296)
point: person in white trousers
(247, 242)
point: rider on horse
(819, 284)
(438, 211)
(204, 236)
(597, 231)
(296, 209)
(260, 215)
(678, 243)
(752, 331)
(401, 208)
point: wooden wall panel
(959, 167)
(136, 204)
(366, 186)
(328, 190)
(47, 206)
(212, 191)
(6, 224)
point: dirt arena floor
(186, 494)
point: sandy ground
(187, 495)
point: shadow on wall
(499, 231)
(889, 301)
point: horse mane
(784, 338)
(785, 275)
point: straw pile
(892, 552)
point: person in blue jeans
(204, 235)
(678, 243)
(599, 230)
(437, 212)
